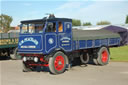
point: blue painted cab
(50, 37)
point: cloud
(27, 4)
(113, 11)
(68, 9)
(70, 5)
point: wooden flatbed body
(8, 40)
(83, 39)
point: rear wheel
(84, 58)
(103, 56)
(57, 63)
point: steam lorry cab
(51, 42)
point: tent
(123, 32)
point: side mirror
(50, 25)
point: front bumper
(33, 60)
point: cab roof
(49, 19)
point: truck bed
(84, 39)
(8, 40)
(93, 34)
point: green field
(119, 54)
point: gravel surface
(115, 73)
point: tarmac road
(115, 73)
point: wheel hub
(59, 63)
(104, 56)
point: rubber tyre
(25, 69)
(15, 55)
(103, 56)
(86, 56)
(12, 56)
(52, 61)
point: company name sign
(30, 39)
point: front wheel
(57, 63)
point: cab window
(32, 28)
(60, 27)
(39, 28)
(51, 27)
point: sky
(92, 11)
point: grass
(119, 54)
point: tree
(5, 22)
(76, 22)
(87, 24)
(126, 22)
(103, 23)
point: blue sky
(92, 11)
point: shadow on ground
(75, 63)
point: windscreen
(32, 28)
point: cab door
(50, 37)
(64, 36)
